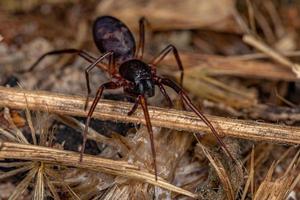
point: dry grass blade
(161, 117)
(250, 176)
(79, 126)
(265, 186)
(251, 16)
(254, 56)
(10, 136)
(30, 124)
(282, 186)
(14, 164)
(92, 134)
(51, 188)
(221, 171)
(295, 182)
(67, 158)
(291, 166)
(52, 173)
(23, 184)
(18, 134)
(15, 171)
(217, 91)
(240, 66)
(76, 124)
(249, 39)
(39, 189)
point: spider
(127, 70)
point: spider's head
(140, 77)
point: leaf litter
(219, 76)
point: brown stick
(69, 158)
(161, 117)
(215, 65)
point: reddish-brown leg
(134, 107)
(108, 85)
(111, 67)
(140, 50)
(144, 105)
(112, 64)
(189, 103)
(163, 91)
(81, 53)
(164, 53)
(142, 100)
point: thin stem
(160, 117)
(69, 158)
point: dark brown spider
(138, 79)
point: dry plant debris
(273, 54)
(168, 118)
(240, 59)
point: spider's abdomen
(110, 34)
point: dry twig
(161, 117)
(68, 158)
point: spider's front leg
(141, 99)
(111, 70)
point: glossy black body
(110, 34)
(140, 76)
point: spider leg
(134, 107)
(140, 50)
(81, 53)
(163, 91)
(189, 103)
(111, 67)
(143, 102)
(164, 53)
(108, 85)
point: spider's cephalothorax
(139, 74)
